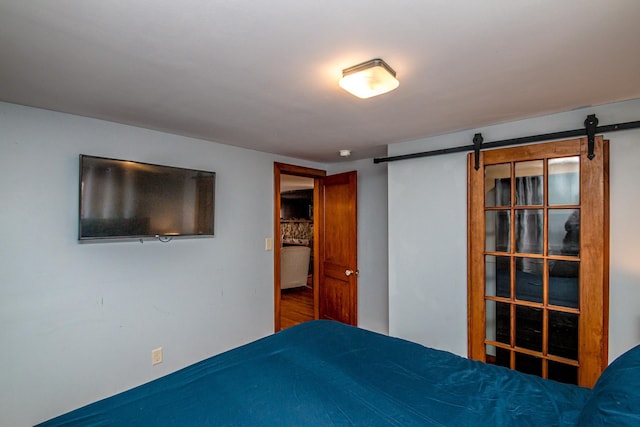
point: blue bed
(323, 373)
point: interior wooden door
(339, 262)
(538, 259)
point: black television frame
(127, 237)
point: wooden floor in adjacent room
(296, 306)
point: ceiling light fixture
(368, 79)
(345, 153)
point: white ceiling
(263, 74)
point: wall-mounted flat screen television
(125, 199)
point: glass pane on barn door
(498, 356)
(529, 274)
(498, 276)
(490, 316)
(529, 183)
(564, 181)
(564, 232)
(529, 231)
(497, 185)
(498, 231)
(563, 334)
(564, 283)
(498, 322)
(562, 372)
(529, 364)
(529, 328)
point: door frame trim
(318, 209)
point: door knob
(350, 272)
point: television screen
(125, 199)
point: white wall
(427, 230)
(372, 242)
(78, 321)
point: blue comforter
(324, 373)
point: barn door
(538, 259)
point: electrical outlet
(156, 356)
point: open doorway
(297, 222)
(329, 232)
(296, 250)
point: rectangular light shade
(369, 79)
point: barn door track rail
(590, 129)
